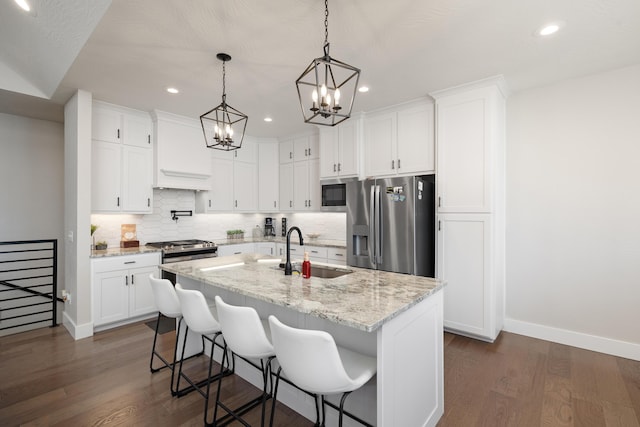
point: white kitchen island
(395, 317)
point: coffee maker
(269, 227)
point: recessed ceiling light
(24, 5)
(363, 89)
(172, 90)
(549, 29)
(268, 119)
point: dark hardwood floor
(47, 378)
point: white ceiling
(405, 48)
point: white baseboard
(77, 332)
(624, 349)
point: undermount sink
(328, 272)
(322, 271)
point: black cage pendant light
(224, 126)
(327, 87)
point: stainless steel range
(184, 250)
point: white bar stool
(168, 305)
(199, 319)
(246, 335)
(312, 361)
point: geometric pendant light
(224, 126)
(327, 87)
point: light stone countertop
(364, 299)
(294, 241)
(142, 249)
(123, 251)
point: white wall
(573, 210)
(31, 182)
(31, 173)
(77, 206)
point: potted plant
(235, 234)
(101, 245)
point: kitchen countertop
(294, 240)
(123, 251)
(364, 299)
(220, 242)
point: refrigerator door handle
(379, 223)
(372, 227)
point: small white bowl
(313, 235)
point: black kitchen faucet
(287, 266)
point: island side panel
(410, 366)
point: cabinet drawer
(319, 253)
(337, 254)
(125, 262)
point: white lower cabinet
(121, 288)
(236, 249)
(472, 301)
(267, 248)
(337, 256)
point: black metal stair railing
(28, 283)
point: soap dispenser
(306, 266)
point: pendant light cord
(224, 89)
(326, 21)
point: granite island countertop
(364, 299)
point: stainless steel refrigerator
(391, 224)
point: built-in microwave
(334, 196)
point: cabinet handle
(129, 262)
(338, 254)
(271, 251)
(309, 151)
(393, 164)
(398, 163)
(132, 279)
(274, 203)
(338, 167)
(148, 139)
(439, 201)
(237, 253)
(334, 167)
(439, 225)
(148, 202)
(209, 202)
(236, 203)
(291, 154)
(118, 202)
(305, 152)
(314, 252)
(126, 280)
(118, 133)
(290, 203)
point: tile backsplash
(159, 226)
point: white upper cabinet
(268, 175)
(233, 182)
(470, 149)
(400, 140)
(121, 160)
(300, 179)
(340, 150)
(182, 159)
(306, 148)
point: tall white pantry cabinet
(470, 123)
